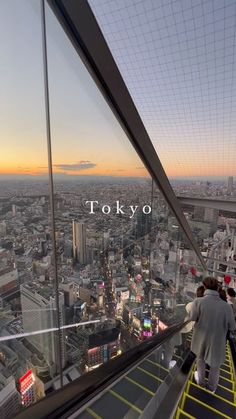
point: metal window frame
(78, 21)
(51, 187)
(218, 204)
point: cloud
(141, 167)
(81, 165)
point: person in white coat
(213, 319)
(189, 326)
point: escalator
(153, 380)
(132, 394)
(198, 402)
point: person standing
(231, 298)
(222, 294)
(189, 326)
(213, 318)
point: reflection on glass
(145, 386)
(121, 257)
(125, 270)
(28, 355)
(214, 231)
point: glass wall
(29, 355)
(214, 231)
(124, 270)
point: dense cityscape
(121, 276)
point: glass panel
(145, 386)
(102, 192)
(169, 56)
(29, 357)
(177, 59)
(214, 231)
(119, 249)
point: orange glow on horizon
(99, 171)
(103, 170)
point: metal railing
(73, 396)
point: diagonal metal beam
(79, 23)
(218, 204)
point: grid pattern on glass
(178, 60)
(214, 231)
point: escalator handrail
(86, 387)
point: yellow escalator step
(207, 406)
(212, 394)
(227, 372)
(225, 388)
(187, 415)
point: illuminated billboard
(147, 323)
(27, 388)
(26, 381)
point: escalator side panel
(158, 371)
(86, 415)
(134, 394)
(111, 406)
(144, 380)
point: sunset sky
(86, 138)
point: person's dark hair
(210, 283)
(222, 294)
(231, 292)
(200, 291)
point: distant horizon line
(69, 176)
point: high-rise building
(9, 280)
(211, 215)
(144, 224)
(79, 242)
(13, 209)
(39, 313)
(8, 273)
(230, 185)
(198, 213)
(10, 402)
(3, 229)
